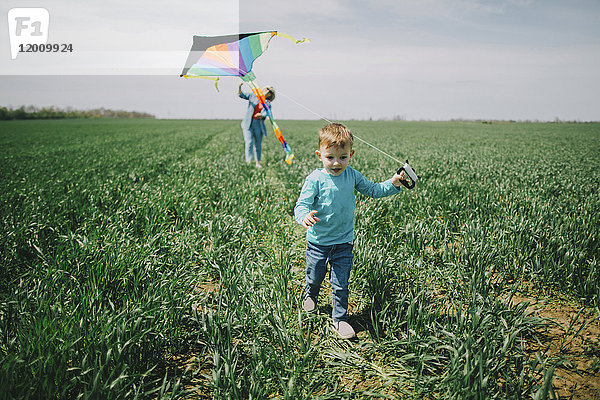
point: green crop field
(145, 259)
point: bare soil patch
(572, 339)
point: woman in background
(253, 124)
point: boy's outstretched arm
(382, 189)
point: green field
(145, 259)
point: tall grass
(126, 245)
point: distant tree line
(32, 112)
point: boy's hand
(310, 219)
(399, 177)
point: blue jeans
(253, 140)
(339, 257)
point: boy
(326, 208)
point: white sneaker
(309, 304)
(344, 329)
(258, 166)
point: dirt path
(572, 338)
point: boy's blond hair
(335, 135)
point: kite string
(327, 120)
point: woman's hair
(335, 135)
(270, 93)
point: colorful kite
(233, 55)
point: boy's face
(335, 159)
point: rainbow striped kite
(233, 55)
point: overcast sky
(416, 59)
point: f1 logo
(27, 26)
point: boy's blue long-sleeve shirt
(333, 199)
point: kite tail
(293, 39)
(250, 79)
(212, 78)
